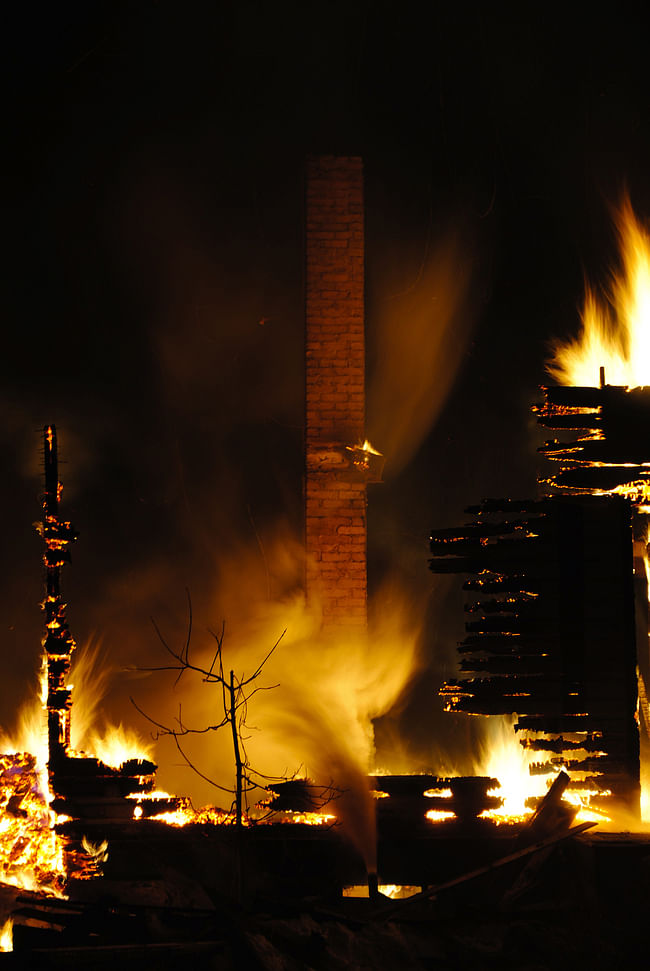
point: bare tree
(236, 692)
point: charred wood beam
(558, 745)
(507, 605)
(472, 531)
(489, 506)
(513, 645)
(590, 479)
(541, 665)
(498, 583)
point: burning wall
(558, 627)
(551, 633)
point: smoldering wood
(509, 605)
(478, 530)
(561, 744)
(503, 505)
(512, 664)
(590, 478)
(514, 644)
(616, 454)
(579, 421)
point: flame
(113, 744)
(395, 891)
(615, 330)
(318, 721)
(6, 936)
(118, 744)
(31, 852)
(33, 856)
(438, 815)
(364, 446)
(503, 758)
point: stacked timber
(408, 798)
(551, 629)
(613, 452)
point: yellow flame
(438, 815)
(118, 744)
(503, 758)
(393, 890)
(31, 853)
(616, 330)
(113, 744)
(6, 936)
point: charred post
(58, 641)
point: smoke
(420, 338)
(315, 719)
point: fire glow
(615, 330)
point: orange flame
(6, 936)
(31, 853)
(615, 330)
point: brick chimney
(336, 474)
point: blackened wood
(397, 908)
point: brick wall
(335, 491)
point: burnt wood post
(58, 642)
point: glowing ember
(615, 331)
(306, 819)
(31, 853)
(438, 815)
(393, 890)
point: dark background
(153, 281)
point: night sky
(153, 281)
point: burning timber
(551, 630)
(614, 454)
(82, 787)
(557, 611)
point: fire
(112, 744)
(439, 815)
(365, 457)
(33, 856)
(304, 818)
(615, 330)
(395, 891)
(367, 447)
(6, 936)
(505, 759)
(117, 745)
(185, 814)
(31, 852)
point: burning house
(557, 627)
(556, 636)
